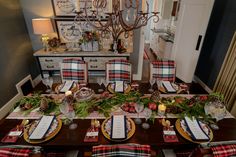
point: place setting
(165, 87)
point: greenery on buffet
(106, 103)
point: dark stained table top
(73, 139)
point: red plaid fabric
(118, 70)
(74, 69)
(122, 150)
(15, 152)
(163, 70)
(224, 150)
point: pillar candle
(161, 109)
(77, 6)
(68, 93)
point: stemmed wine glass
(159, 83)
(152, 82)
(100, 82)
(139, 108)
(48, 82)
(147, 115)
(68, 111)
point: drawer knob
(93, 60)
(50, 66)
(48, 60)
(93, 66)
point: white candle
(110, 6)
(144, 6)
(77, 6)
(68, 93)
(161, 109)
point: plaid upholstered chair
(74, 69)
(118, 70)
(132, 150)
(163, 70)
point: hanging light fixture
(115, 16)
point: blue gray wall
(16, 54)
(220, 31)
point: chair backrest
(131, 150)
(163, 70)
(118, 70)
(74, 69)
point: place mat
(185, 135)
(52, 132)
(106, 128)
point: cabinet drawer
(51, 63)
(98, 63)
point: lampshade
(42, 26)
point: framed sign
(68, 7)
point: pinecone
(43, 105)
(155, 96)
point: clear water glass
(147, 115)
(138, 108)
(65, 109)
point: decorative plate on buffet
(111, 88)
(182, 129)
(52, 132)
(106, 129)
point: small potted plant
(89, 41)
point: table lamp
(43, 26)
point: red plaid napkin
(15, 152)
(223, 150)
(122, 150)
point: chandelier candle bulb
(68, 93)
(93, 8)
(110, 6)
(155, 6)
(121, 5)
(144, 6)
(161, 109)
(77, 6)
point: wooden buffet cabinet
(49, 62)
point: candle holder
(161, 110)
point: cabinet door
(191, 27)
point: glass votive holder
(161, 110)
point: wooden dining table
(68, 139)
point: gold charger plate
(129, 135)
(49, 136)
(111, 90)
(186, 136)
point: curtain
(226, 80)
